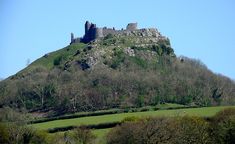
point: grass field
(100, 135)
(206, 111)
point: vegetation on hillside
(114, 72)
(219, 128)
(178, 130)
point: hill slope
(122, 71)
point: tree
(4, 136)
(140, 101)
(83, 136)
(223, 127)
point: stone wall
(92, 32)
(131, 26)
(107, 31)
(99, 32)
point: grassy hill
(116, 80)
(117, 71)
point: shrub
(151, 130)
(130, 119)
(223, 127)
(146, 108)
(140, 101)
(118, 58)
(191, 130)
(39, 137)
(123, 134)
(4, 136)
(76, 136)
(109, 39)
(108, 36)
(224, 115)
(57, 60)
(139, 61)
(161, 130)
(83, 136)
(15, 134)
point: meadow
(203, 112)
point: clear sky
(201, 29)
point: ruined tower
(87, 26)
(131, 26)
(72, 38)
(91, 32)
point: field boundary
(92, 126)
(129, 110)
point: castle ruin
(92, 32)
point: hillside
(133, 68)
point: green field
(100, 135)
(205, 111)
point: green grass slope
(204, 112)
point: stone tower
(72, 37)
(90, 32)
(87, 26)
(131, 26)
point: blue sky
(201, 29)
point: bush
(75, 136)
(152, 130)
(39, 137)
(139, 61)
(192, 130)
(224, 115)
(130, 119)
(147, 108)
(15, 134)
(108, 36)
(57, 60)
(123, 134)
(4, 136)
(8, 114)
(118, 58)
(223, 127)
(83, 136)
(161, 130)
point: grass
(101, 132)
(48, 62)
(206, 112)
(100, 135)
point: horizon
(200, 30)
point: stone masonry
(92, 32)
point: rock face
(92, 32)
(129, 51)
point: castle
(92, 32)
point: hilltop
(108, 68)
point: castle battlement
(92, 32)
